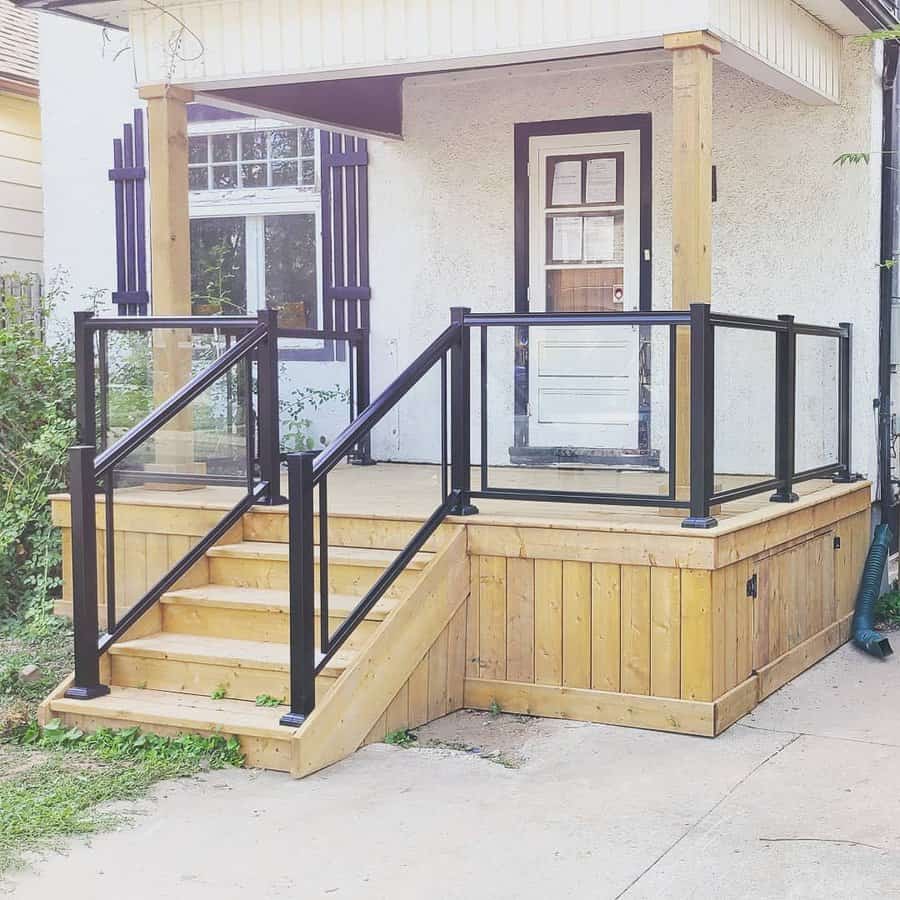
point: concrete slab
(847, 695)
(794, 801)
(584, 815)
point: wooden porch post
(692, 72)
(170, 261)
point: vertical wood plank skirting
(692, 74)
(662, 646)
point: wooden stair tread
(192, 712)
(221, 651)
(353, 556)
(227, 596)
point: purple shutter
(345, 231)
(129, 177)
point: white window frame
(253, 205)
(242, 126)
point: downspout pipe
(889, 232)
(863, 628)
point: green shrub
(37, 401)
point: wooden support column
(692, 74)
(170, 262)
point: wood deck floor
(412, 491)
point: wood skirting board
(626, 621)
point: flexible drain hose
(864, 633)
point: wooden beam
(169, 223)
(170, 263)
(692, 73)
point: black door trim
(522, 453)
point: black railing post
(460, 415)
(302, 587)
(702, 416)
(363, 396)
(82, 489)
(845, 387)
(268, 413)
(785, 410)
(85, 413)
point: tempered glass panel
(314, 393)
(291, 280)
(573, 408)
(816, 416)
(205, 442)
(744, 415)
(595, 179)
(218, 266)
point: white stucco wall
(87, 95)
(792, 232)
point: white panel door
(584, 257)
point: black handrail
(309, 469)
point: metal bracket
(752, 586)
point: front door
(584, 256)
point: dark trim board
(523, 132)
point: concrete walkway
(797, 800)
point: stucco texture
(793, 233)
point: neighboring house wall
(21, 224)
(792, 232)
(87, 94)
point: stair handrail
(86, 468)
(309, 469)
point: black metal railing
(249, 342)
(308, 472)
(690, 332)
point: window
(266, 158)
(240, 264)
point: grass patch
(58, 781)
(269, 700)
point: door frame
(523, 132)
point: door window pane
(218, 266)
(585, 290)
(593, 179)
(290, 263)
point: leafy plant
(220, 692)
(37, 399)
(495, 708)
(402, 738)
(298, 433)
(269, 700)
(887, 610)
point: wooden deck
(598, 613)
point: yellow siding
(21, 202)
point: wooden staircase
(200, 659)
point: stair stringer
(418, 628)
